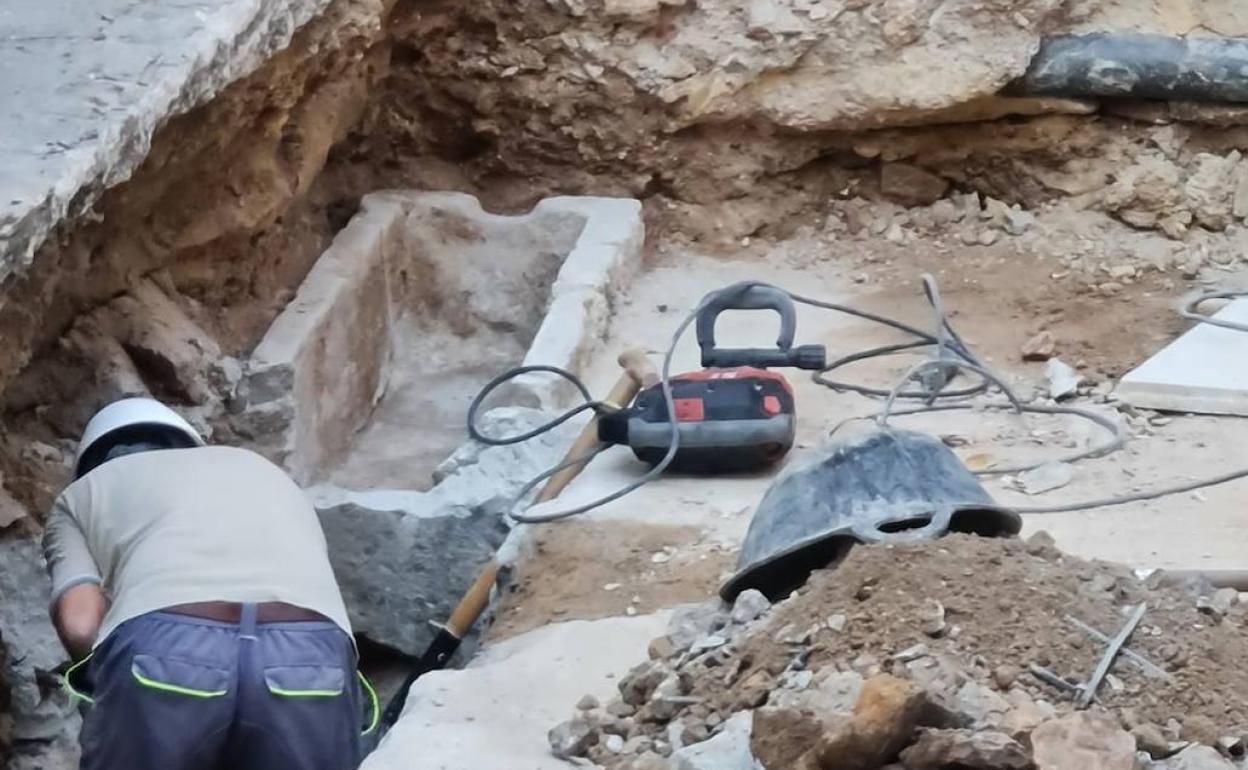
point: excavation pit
(365, 378)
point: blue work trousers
(171, 692)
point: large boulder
(404, 558)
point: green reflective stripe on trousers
(175, 689)
(69, 672)
(304, 693)
(372, 697)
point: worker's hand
(77, 616)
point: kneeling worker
(193, 585)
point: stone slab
(1205, 371)
(85, 86)
(424, 285)
(403, 558)
(494, 714)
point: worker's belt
(232, 612)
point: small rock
(979, 705)
(661, 648)
(587, 703)
(1018, 221)
(613, 744)
(1151, 740)
(1219, 603)
(646, 760)
(931, 617)
(1085, 740)
(1041, 347)
(708, 643)
(754, 691)
(940, 749)
(1043, 545)
(638, 684)
(1198, 728)
(689, 624)
(1005, 675)
(620, 709)
(836, 623)
(750, 605)
(912, 653)
(1195, 758)
(1020, 721)
(833, 692)
(988, 237)
(571, 739)
(1231, 746)
(728, 750)
(884, 719)
(1063, 379)
(911, 185)
(1046, 478)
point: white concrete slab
(85, 85)
(494, 715)
(1204, 371)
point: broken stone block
(911, 185)
(402, 565)
(404, 558)
(729, 749)
(1086, 740)
(937, 749)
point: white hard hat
(132, 412)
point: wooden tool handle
(474, 601)
(637, 365)
(638, 373)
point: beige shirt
(173, 526)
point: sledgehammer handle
(638, 373)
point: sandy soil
(637, 566)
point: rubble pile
(959, 653)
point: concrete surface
(1204, 371)
(417, 304)
(85, 85)
(494, 715)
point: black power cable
(951, 356)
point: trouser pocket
(175, 676)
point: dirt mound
(963, 620)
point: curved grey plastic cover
(884, 485)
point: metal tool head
(884, 485)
